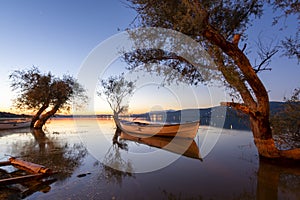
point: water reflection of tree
(271, 177)
(115, 167)
(62, 157)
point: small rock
(83, 175)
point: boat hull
(14, 124)
(186, 130)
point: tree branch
(236, 39)
(233, 78)
(243, 63)
(265, 53)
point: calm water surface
(231, 170)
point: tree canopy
(44, 94)
(218, 26)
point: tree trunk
(116, 135)
(38, 114)
(263, 137)
(117, 120)
(258, 110)
(118, 132)
(43, 119)
(264, 141)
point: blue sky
(58, 35)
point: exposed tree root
(267, 149)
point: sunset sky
(58, 36)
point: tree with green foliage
(44, 94)
(219, 26)
(116, 89)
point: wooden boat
(184, 130)
(181, 146)
(14, 123)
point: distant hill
(214, 116)
(276, 107)
(218, 116)
(11, 115)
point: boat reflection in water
(183, 146)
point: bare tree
(116, 89)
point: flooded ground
(82, 153)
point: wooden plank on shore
(4, 163)
(19, 179)
(28, 166)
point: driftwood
(28, 166)
(5, 163)
(37, 171)
(19, 179)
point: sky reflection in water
(231, 170)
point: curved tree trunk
(43, 119)
(257, 106)
(38, 114)
(263, 137)
(117, 120)
(116, 136)
(117, 132)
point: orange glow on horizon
(96, 112)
